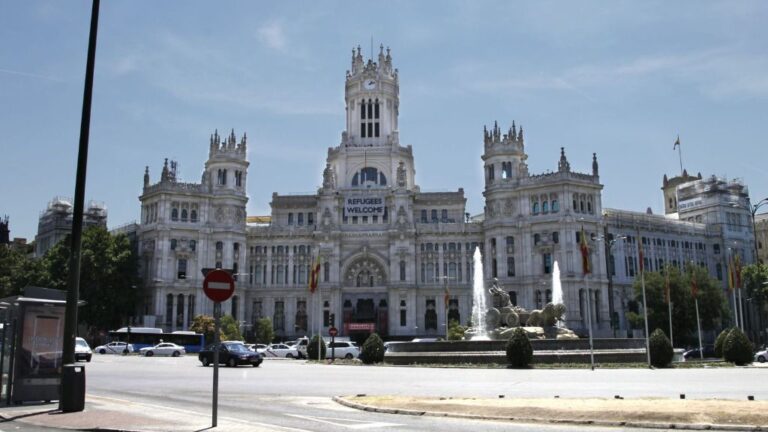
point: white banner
(364, 206)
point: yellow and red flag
(584, 252)
(737, 272)
(731, 275)
(314, 276)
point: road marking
(361, 424)
(196, 414)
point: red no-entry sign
(333, 331)
(218, 285)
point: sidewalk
(110, 414)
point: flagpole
(589, 323)
(698, 325)
(671, 338)
(679, 153)
(735, 309)
(645, 314)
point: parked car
(82, 350)
(709, 353)
(163, 349)
(280, 350)
(761, 356)
(231, 354)
(259, 348)
(342, 349)
(301, 346)
(114, 348)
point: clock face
(369, 84)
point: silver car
(114, 348)
(163, 349)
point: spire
(514, 131)
(563, 165)
(594, 165)
(164, 174)
(146, 176)
(520, 135)
(242, 142)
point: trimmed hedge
(312, 349)
(519, 349)
(373, 350)
(737, 349)
(661, 349)
(720, 341)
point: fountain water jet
(557, 291)
(479, 309)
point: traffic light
(332, 320)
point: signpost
(333, 331)
(219, 286)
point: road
(293, 395)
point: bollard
(682, 395)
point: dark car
(709, 352)
(231, 354)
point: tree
(755, 277)
(264, 333)
(18, 270)
(519, 349)
(712, 304)
(204, 324)
(312, 349)
(661, 349)
(109, 282)
(737, 348)
(455, 331)
(373, 350)
(230, 329)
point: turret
(504, 154)
(594, 165)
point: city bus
(141, 337)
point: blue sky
(618, 78)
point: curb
(647, 425)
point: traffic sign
(333, 331)
(218, 285)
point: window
(175, 214)
(494, 268)
(555, 237)
(433, 213)
(536, 239)
(423, 216)
(173, 244)
(444, 215)
(193, 216)
(326, 271)
(219, 246)
(402, 271)
(181, 271)
(716, 248)
(547, 261)
(184, 215)
(510, 244)
(238, 178)
(545, 207)
(300, 219)
(535, 209)
(310, 218)
(510, 266)
(192, 245)
(513, 297)
(555, 206)
(290, 218)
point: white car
(82, 350)
(342, 349)
(163, 349)
(280, 350)
(114, 348)
(761, 356)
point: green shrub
(373, 350)
(519, 349)
(737, 349)
(455, 331)
(661, 349)
(312, 349)
(720, 341)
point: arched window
(376, 109)
(175, 214)
(545, 207)
(535, 209)
(433, 213)
(184, 215)
(589, 204)
(555, 206)
(193, 216)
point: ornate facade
(392, 258)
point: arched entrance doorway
(364, 299)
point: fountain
(479, 309)
(485, 341)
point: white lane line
(361, 424)
(196, 414)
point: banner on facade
(364, 206)
(370, 327)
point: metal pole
(741, 308)
(645, 315)
(319, 326)
(68, 390)
(216, 324)
(698, 325)
(735, 308)
(671, 338)
(589, 324)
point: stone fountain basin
(494, 351)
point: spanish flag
(584, 252)
(314, 276)
(731, 274)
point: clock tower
(370, 155)
(372, 99)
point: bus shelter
(32, 338)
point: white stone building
(391, 255)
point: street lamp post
(753, 210)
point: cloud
(273, 35)
(31, 75)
